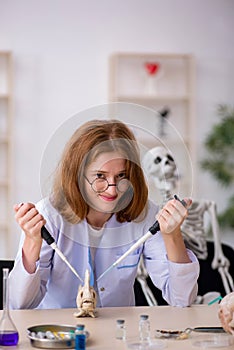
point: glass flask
(8, 332)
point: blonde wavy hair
(84, 146)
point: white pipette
(152, 230)
(50, 240)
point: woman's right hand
(31, 222)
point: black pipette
(50, 240)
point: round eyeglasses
(101, 185)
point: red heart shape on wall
(152, 68)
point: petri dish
(63, 338)
(214, 341)
(151, 345)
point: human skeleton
(159, 164)
(86, 298)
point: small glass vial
(120, 332)
(9, 335)
(144, 328)
(80, 337)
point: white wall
(61, 50)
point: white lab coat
(53, 285)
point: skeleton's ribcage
(193, 229)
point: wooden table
(102, 328)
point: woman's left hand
(170, 219)
(172, 215)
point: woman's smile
(108, 198)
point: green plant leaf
(219, 144)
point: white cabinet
(5, 150)
(160, 82)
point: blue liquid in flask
(9, 338)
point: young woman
(97, 209)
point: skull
(226, 313)
(86, 298)
(159, 163)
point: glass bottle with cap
(120, 332)
(80, 337)
(144, 328)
